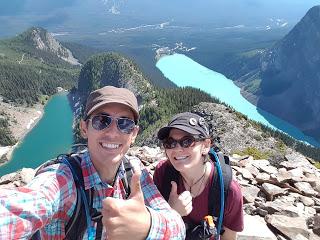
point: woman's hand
(181, 203)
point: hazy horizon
(98, 15)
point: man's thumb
(135, 185)
(173, 188)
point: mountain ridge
(32, 60)
(32, 68)
(36, 41)
(284, 79)
(292, 67)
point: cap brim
(99, 105)
(163, 133)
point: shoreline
(22, 120)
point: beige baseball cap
(111, 94)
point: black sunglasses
(185, 142)
(102, 121)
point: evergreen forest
(6, 138)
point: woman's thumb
(173, 188)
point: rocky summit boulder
(274, 209)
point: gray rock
(316, 225)
(261, 177)
(250, 193)
(249, 208)
(289, 226)
(305, 188)
(306, 201)
(244, 172)
(283, 197)
(255, 229)
(268, 169)
(272, 190)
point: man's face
(109, 145)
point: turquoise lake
(53, 133)
(184, 71)
(51, 136)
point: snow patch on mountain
(113, 6)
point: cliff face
(285, 79)
(290, 75)
(43, 41)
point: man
(49, 201)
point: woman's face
(184, 159)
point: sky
(17, 15)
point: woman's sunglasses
(102, 121)
(185, 142)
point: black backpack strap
(214, 194)
(128, 175)
(77, 224)
(36, 235)
(170, 174)
(226, 172)
(96, 217)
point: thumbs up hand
(127, 218)
(181, 203)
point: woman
(187, 141)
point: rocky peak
(299, 43)
(290, 75)
(314, 14)
(44, 41)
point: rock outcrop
(44, 41)
(280, 202)
(285, 79)
(290, 73)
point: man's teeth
(110, 145)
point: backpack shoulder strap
(77, 224)
(170, 174)
(226, 171)
(50, 162)
(214, 194)
(128, 175)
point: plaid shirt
(48, 201)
